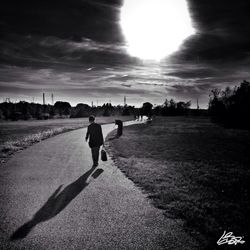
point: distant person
(94, 134)
(120, 127)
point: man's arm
(87, 134)
(101, 135)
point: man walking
(94, 134)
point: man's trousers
(95, 155)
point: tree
(63, 108)
(181, 106)
(146, 109)
(166, 103)
(81, 110)
(231, 107)
(172, 108)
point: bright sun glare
(155, 28)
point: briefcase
(104, 155)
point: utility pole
(43, 99)
(52, 99)
(125, 101)
(198, 107)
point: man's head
(91, 119)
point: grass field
(15, 136)
(192, 169)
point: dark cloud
(194, 73)
(215, 48)
(189, 89)
(222, 28)
(68, 19)
(126, 85)
(220, 17)
(38, 51)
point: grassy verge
(193, 170)
(15, 136)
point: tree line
(25, 111)
(231, 106)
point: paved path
(51, 199)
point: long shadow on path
(56, 203)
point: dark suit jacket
(94, 133)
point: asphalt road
(52, 199)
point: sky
(78, 50)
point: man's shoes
(95, 165)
